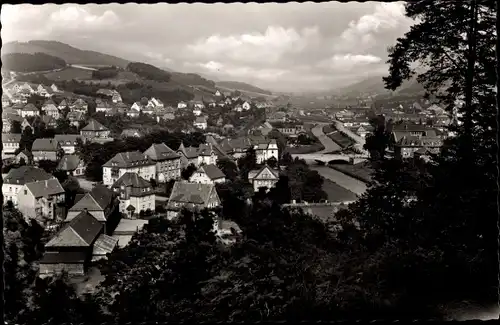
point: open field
(69, 73)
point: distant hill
(241, 86)
(375, 86)
(70, 54)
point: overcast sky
(281, 47)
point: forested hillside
(24, 62)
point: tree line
(25, 62)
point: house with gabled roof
(54, 88)
(72, 164)
(116, 97)
(10, 144)
(68, 142)
(44, 91)
(168, 162)
(193, 196)
(29, 110)
(264, 177)
(188, 155)
(182, 105)
(102, 106)
(75, 118)
(50, 109)
(63, 104)
(135, 194)
(207, 155)
(208, 174)
(49, 121)
(100, 202)
(46, 149)
(42, 201)
(95, 130)
(72, 247)
(16, 178)
(200, 122)
(128, 162)
(79, 105)
(25, 156)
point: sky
(279, 47)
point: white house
(265, 177)
(54, 88)
(265, 150)
(208, 174)
(135, 194)
(200, 122)
(197, 111)
(10, 143)
(137, 106)
(238, 108)
(17, 177)
(29, 110)
(198, 104)
(181, 105)
(68, 142)
(246, 106)
(50, 109)
(128, 162)
(218, 93)
(156, 103)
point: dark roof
(160, 151)
(79, 232)
(102, 195)
(63, 257)
(98, 199)
(185, 192)
(213, 172)
(69, 162)
(45, 188)
(93, 125)
(26, 174)
(254, 173)
(69, 139)
(131, 179)
(44, 145)
(205, 149)
(30, 107)
(129, 159)
(189, 152)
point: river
(356, 186)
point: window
(25, 192)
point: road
(82, 67)
(324, 139)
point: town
(336, 163)
(47, 132)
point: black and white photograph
(250, 162)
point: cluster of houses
(98, 220)
(52, 148)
